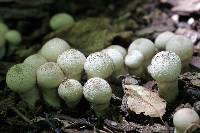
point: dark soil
(31, 18)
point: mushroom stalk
(168, 90)
(100, 109)
(51, 97)
(30, 97)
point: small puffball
(71, 91)
(165, 66)
(145, 46)
(117, 58)
(53, 48)
(61, 20)
(13, 37)
(184, 118)
(35, 60)
(72, 63)
(3, 29)
(99, 64)
(49, 75)
(119, 48)
(180, 45)
(134, 60)
(97, 91)
(162, 39)
(21, 78)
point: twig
(21, 115)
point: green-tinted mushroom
(182, 46)
(99, 64)
(165, 68)
(98, 92)
(3, 29)
(184, 118)
(162, 39)
(49, 77)
(21, 78)
(35, 60)
(13, 37)
(146, 47)
(71, 91)
(72, 62)
(53, 48)
(61, 20)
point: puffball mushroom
(134, 61)
(72, 62)
(35, 60)
(2, 47)
(182, 46)
(162, 39)
(49, 77)
(53, 48)
(21, 78)
(118, 60)
(99, 64)
(119, 48)
(98, 92)
(71, 91)
(61, 20)
(13, 37)
(165, 68)
(184, 118)
(3, 29)
(146, 47)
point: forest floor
(129, 20)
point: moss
(91, 35)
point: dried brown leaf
(195, 61)
(141, 100)
(184, 5)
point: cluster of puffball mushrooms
(56, 71)
(12, 37)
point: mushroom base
(137, 71)
(100, 109)
(51, 97)
(72, 104)
(30, 97)
(168, 90)
(2, 52)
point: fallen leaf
(184, 5)
(192, 34)
(195, 61)
(141, 100)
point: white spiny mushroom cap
(119, 48)
(184, 118)
(53, 48)
(97, 90)
(181, 45)
(99, 64)
(71, 62)
(162, 39)
(70, 90)
(35, 60)
(145, 46)
(21, 78)
(134, 59)
(49, 75)
(116, 56)
(165, 66)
